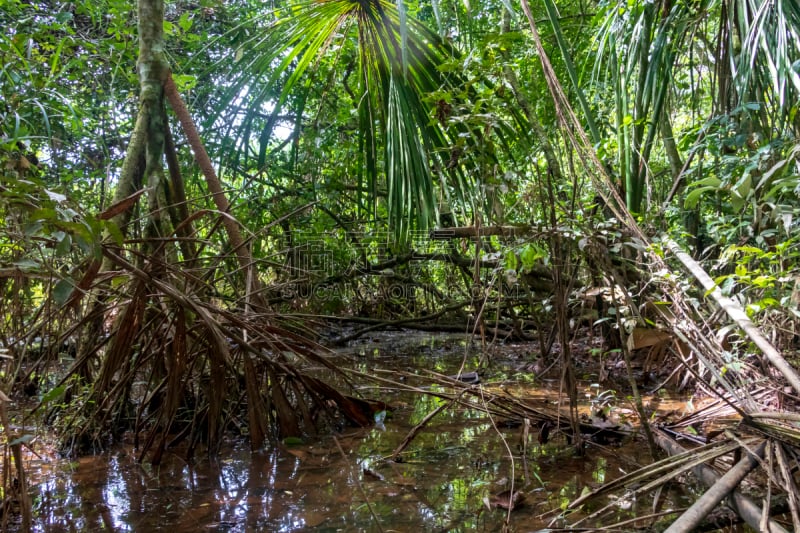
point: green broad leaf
(758, 252)
(711, 181)
(114, 232)
(510, 261)
(184, 82)
(117, 281)
(782, 186)
(63, 17)
(64, 245)
(83, 243)
(719, 280)
(67, 213)
(55, 196)
(773, 172)
(293, 441)
(44, 214)
(763, 282)
(24, 439)
(694, 197)
(737, 202)
(26, 265)
(62, 291)
(185, 22)
(744, 186)
(32, 228)
(53, 394)
(530, 254)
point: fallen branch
(742, 505)
(736, 313)
(461, 232)
(718, 492)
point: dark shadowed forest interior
(411, 265)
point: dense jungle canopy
(197, 195)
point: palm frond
(638, 49)
(407, 169)
(767, 66)
(399, 63)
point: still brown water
(447, 480)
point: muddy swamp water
(204, 279)
(454, 472)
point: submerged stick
(361, 488)
(413, 433)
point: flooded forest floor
(456, 474)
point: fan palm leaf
(399, 62)
(767, 67)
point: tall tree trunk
(143, 159)
(153, 71)
(670, 146)
(637, 171)
(143, 165)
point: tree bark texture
(212, 180)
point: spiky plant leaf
(399, 62)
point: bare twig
(419, 427)
(361, 489)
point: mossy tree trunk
(153, 71)
(143, 167)
(143, 159)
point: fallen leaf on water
(314, 518)
(300, 454)
(505, 500)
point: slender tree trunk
(670, 147)
(636, 172)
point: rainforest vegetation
(203, 198)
